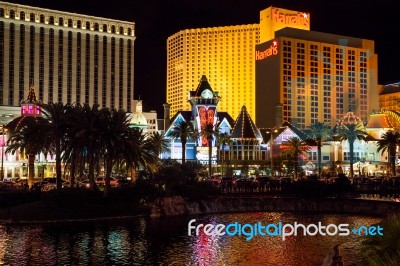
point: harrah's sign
(298, 19)
(272, 50)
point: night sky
(156, 20)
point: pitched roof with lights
(379, 120)
(244, 127)
(31, 96)
(203, 85)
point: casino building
(277, 68)
(305, 76)
(68, 57)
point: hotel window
(96, 26)
(104, 27)
(121, 30)
(104, 83)
(2, 12)
(112, 72)
(70, 23)
(32, 17)
(87, 68)
(12, 14)
(21, 63)
(96, 69)
(87, 25)
(60, 64)
(121, 73)
(22, 15)
(129, 31)
(51, 64)
(60, 21)
(112, 29)
(78, 66)
(42, 18)
(51, 20)
(69, 69)
(32, 55)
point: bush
(197, 190)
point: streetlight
(271, 131)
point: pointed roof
(244, 127)
(379, 120)
(31, 96)
(203, 85)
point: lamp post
(271, 131)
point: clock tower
(204, 103)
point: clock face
(207, 94)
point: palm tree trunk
(392, 157)
(319, 155)
(351, 145)
(295, 168)
(58, 164)
(91, 173)
(183, 152)
(107, 186)
(209, 156)
(31, 169)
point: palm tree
(350, 133)
(30, 138)
(224, 139)
(57, 116)
(183, 131)
(86, 121)
(294, 147)
(142, 152)
(320, 132)
(208, 132)
(389, 142)
(159, 142)
(114, 140)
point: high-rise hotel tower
(304, 76)
(68, 57)
(279, 69)
(224, 54)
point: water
(164, 241)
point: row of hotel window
(70, 22)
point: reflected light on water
(165, 241)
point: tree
(224, 139)
(115, 141)
(183, 131)
(320, 132)
(208, 132)
(293, 148)
(86, 133)
(350, 133)
(28, 137)
(57, 115)
(389, 142)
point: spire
(244, 127)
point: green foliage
(384, 250)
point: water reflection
(165, 242)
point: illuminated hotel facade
(70, 58)
(277, 68)
(304, 76)
(224, 54)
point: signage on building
(291, 19)
(202, 155)
(271, 50)
(206, 115)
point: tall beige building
(224, 54)
(68, 57)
